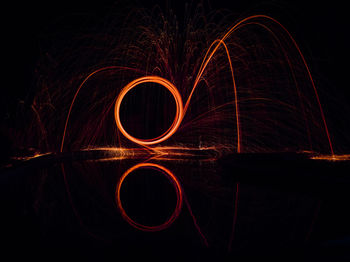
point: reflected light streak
(160, 152)
(172, 178)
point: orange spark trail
(201, 70)
(241, 23)
(78, 90)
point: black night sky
(287, 196)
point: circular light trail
(179, 195)
(178, 116)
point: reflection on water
(144, 167)
(228, 207)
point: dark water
(283, 206)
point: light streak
(234, 222)
(345, 157)
(78, 90)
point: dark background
(320, 28)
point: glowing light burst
(181, 110)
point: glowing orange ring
(178, 190)
(178, 116)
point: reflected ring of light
(172, 178)
(178, 116)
